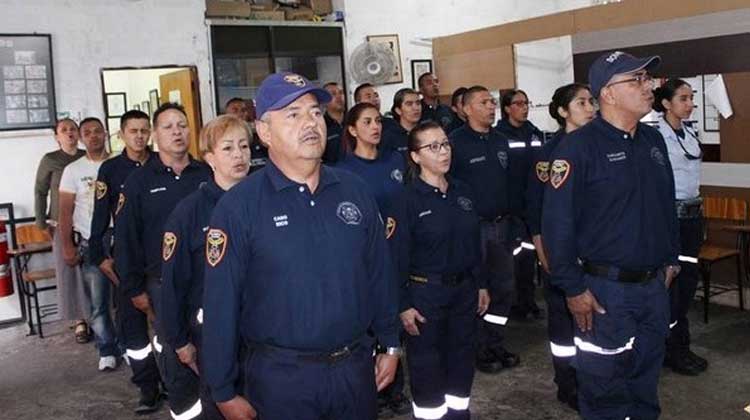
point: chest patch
(465, 203)
(658, 156)
(542, 171)
(216, 246)
(397, 176)
(169, 243)
(349, 213)
(559, 172)
(502, 156)
(101, 190)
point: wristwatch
(394, 351)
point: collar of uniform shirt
(280, 181)
(611, 131)
(477, 134)
(211, 188)
(428, 189)
(155, 163)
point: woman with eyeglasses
(524, 138)
(572, 107)
(674, 99)
(446, 284)
(382, 169)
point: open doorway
(146, 88)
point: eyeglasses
(641, 79)
(436, 147)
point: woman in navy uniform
(382, 170)
(524, 138)
(674, 99)
(406, 111)
(225, 145)
(572, 107)
(446, 288)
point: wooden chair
(31, 240)
(721, 210)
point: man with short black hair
(334, 118)
(432, 109)
(366, 92)
(457, 106)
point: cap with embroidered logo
(281, 89)
(617, 62)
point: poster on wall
(392, 42)
(27, 89)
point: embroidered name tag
(156, 190)
(616, 157)
(425, 213)
(478, 159)
(282, 220)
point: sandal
(81, 331)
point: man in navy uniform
(610, 226)
(131, 324)
(299, 270)
(432, 109)
(480, 159)
(244, 109)
(149, 196)
(334, 118)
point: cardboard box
(319, 7)
(267, 15)
(302, 13)
(218, 8)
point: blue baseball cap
(614, 63)
(281, 89)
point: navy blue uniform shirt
(522, 142)
(455, 124)
(481, 161)
(439, 113)
(184, 255)
(442, 233)
(609, 200)
(394, 137)
(538, 177)
(333, 142)
(294, 269)
(258, 155)
(149, 196)
(109, 183)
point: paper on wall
(717, 95)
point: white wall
(414, 20)
(88, 35)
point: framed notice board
(27, 88)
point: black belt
(625, 276)
(332, 356)
(445, 279)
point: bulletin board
(27, 88)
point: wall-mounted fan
(372, 62)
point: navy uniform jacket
(455, 124)
(109, 184)
(294, 269)
(481, 161)
(440, 114)
(333, 143)
(442, 233)
(394, 138)
(258, 155)
(184, 255)
(538, 177)
(149, 196)
(384, 177)
(521, 141)
(610, 201)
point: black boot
(149, 402)
(697, 360)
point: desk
(20, 258)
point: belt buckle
(339, 354)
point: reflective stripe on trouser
(560, 331)
(181, 382)
(618, 363)
(132, 331)
(441, 357)
(497, 257)
(682, 289)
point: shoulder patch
(216, 246)
(390, 227)
(101, 189)
(542, 171)
(559, 172)
(169, 244)
(120, 203)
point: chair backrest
(725, 208)
(31, 234)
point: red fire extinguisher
(6, 281)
